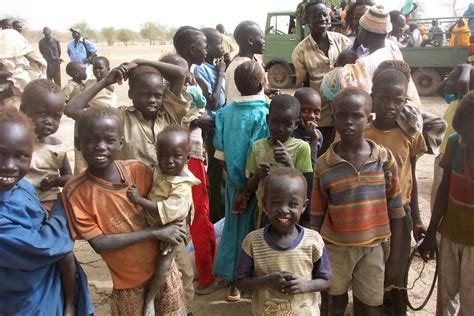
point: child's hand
(240, 204)
(48, 183)
(172, 233)
(271, 93)
(221, 66)
(120, 73)
(276, 280)
(310, 127)
(281, 155)
(263, 170)
(206, 122)
(165, 248)
(419, 231)
(428, 246)
(133, 194)
(295, 286)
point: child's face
(80, 73)
(310, 110)
(214, 46)
(16, 148)
(199, 50)
(100, 69)
(172, 153)
(389, 101)
(351, 117)
(282, 124)
(318, 18)
(147, 95)
(46, 113)
(100, 142)
(284, 202)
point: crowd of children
(205, 139)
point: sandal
(214, 286)
(233, 294)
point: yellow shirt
(403, 148)
(72, 89)
(139, 137)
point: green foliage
(151, 31)
(110, 35)
(126, 36)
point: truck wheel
(426, 81)
(279, 76)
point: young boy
(357, 206)
(169, 200)
(154, 106)
(389, 93)
(100, 212)
(283, 265)
(281, 149)
(75, 85)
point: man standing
(80, 49)
(17, 26)
(51, 50)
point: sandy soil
(213, 304)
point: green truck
(283, 31)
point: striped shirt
(353, 207)
(305, 258)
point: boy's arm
(300, 67)
(319, 204)
(65, 173)
(213, 96)
(173, 233)
(418, 228)
(175, 75)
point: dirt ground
(213, 304)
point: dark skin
(46, 116)
(318, 19)
(285, 201)
(310, 113)
(100, 142)
(79, 73)
(351, 118)
(370, 40)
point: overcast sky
(60, 15)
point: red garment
(202, 230)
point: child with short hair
(283, 264)
(170, 199)
(357, 208)
(281, 149)
(43, 102)
(238, 126)
(453, 218)
(35, 243)
(115, 227)
(76, 84)
(389, 93)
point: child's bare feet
(149, 309)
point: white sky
(60, 15)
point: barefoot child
(283, 265)
(43, 103)
(389, 93)
(76, 84)
(169, 200)
(238, 126)
(357, 207)
(100, 212)
(281, 149)
(31, 240)
(453, 218)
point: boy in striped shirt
(357, 207)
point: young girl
(453, 217)
(43, 103)
(238, 126)
(31, 241)
(190, 44)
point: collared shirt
(50, 49)
(173, 196)
(353, 207)
(311, 63)
(77, 50)
(140, 137)
(72, 89)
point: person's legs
(57, 74)
(437, 176)
(202, 230)
(214, 173)
(128, 302)
(171, 298)
(184, 263)
(449, 275)
(361, 309)
(466, 288)
(338, 304)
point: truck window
(282, 25)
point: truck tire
(279, 76)
(426, 81)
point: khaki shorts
(363, 267)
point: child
(32, 242)
(453, 218)
(43, 103)
(283, 265)
(210, 76)
(389, 93)
(105, 97)
(307, 130)
(100, 212)
(238, 126)
(169, 200)
(357, 206)
(281, 149)
(154, 106)
(75, 85)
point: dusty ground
(213, 304)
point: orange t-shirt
(95, 207)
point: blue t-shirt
(208, 73)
